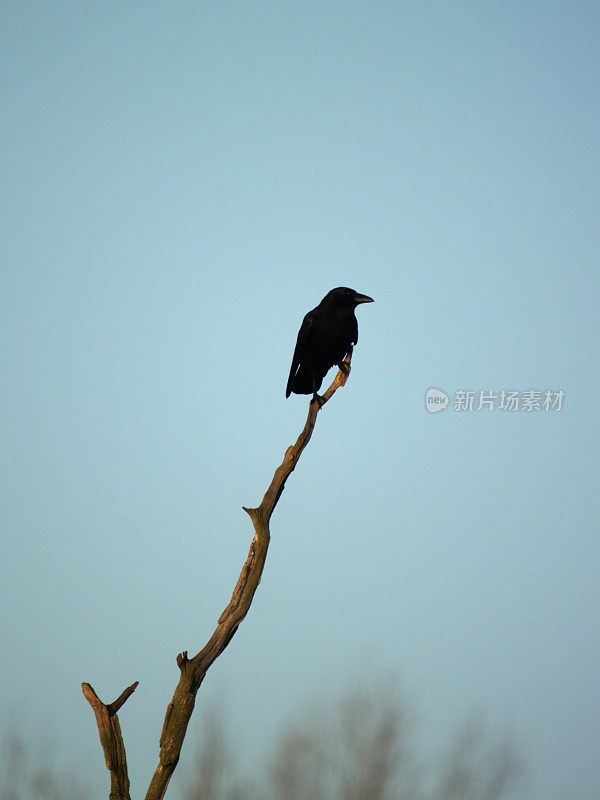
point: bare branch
(192, 671)
(111, 739)
(116, 704)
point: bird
(326, 335)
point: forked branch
(112, 739)
(193, 670)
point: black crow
(326, 335)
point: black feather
(326, 335)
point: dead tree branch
(112, 739)
(193, 670)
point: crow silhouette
(326, 335)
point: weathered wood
(193, 670)
(111, 739)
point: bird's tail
(300, 383)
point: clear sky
(181, 182)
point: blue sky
(181, 183)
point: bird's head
(343, 297)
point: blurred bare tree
(216, 776)
(363, 748)
(479, 766)
(29, 775)
(359, 749)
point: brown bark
(111, 739)
(193, 670)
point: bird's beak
(363, 298)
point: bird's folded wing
(307, 323)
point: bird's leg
(316, 398)
(343, 364)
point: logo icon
(435, 400)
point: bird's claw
(316, 398)
(344, 367)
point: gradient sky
(181, 182)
